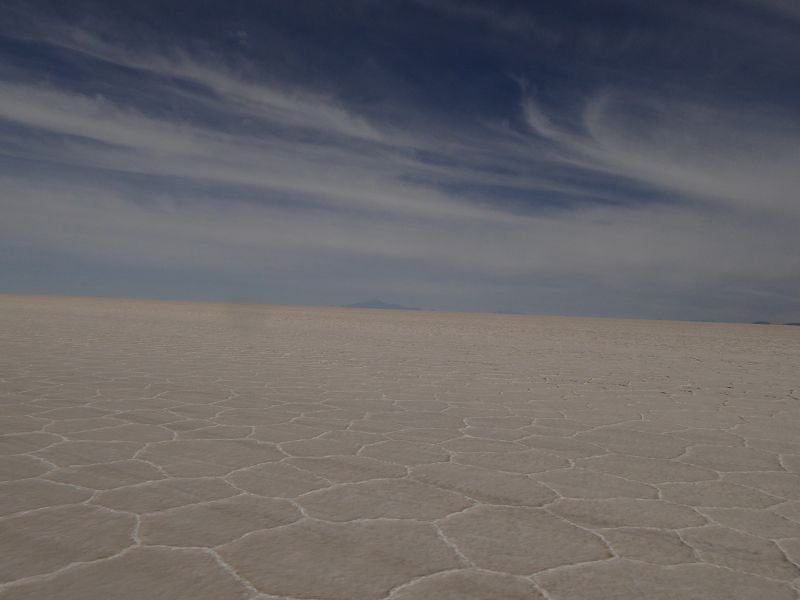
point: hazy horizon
(610, 159)
(356, 306)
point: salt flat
(202, 451)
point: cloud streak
(625, 202)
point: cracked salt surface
(166, 450)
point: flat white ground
(200, 451)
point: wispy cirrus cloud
(628, 202)
(738, 158)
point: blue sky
(604, 158)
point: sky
(576, 157)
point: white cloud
(351, 188)
(745, 159)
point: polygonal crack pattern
(181, 450)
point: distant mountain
(796, 324)
(378, 303)
(761, 323)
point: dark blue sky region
(603, 157)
